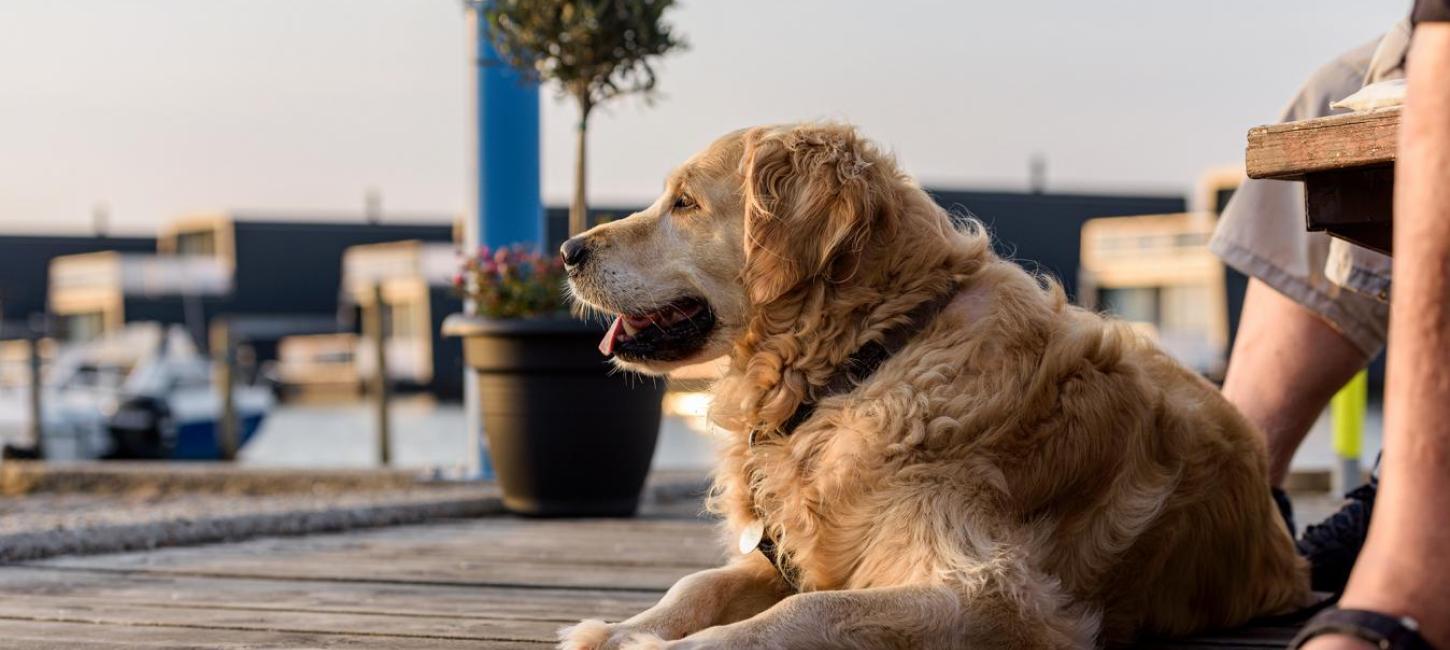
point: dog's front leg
(925, 616)
(731, 593)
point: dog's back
(1151, 488)
(1122, 476)
(1218, 554)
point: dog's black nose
(574, 252)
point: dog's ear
(812, 197)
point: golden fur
(1024, 474)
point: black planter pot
(570, 436)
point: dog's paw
(643, 641)
(588, 634)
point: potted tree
(568, 435)
(594, 50)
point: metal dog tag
(751, 535)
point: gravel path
(43, 525)
(52, 510)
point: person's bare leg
(1286, 364)
(1403, 569)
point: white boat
(142, 392)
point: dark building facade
(24, 270)
(414, 281)
(286, 275)
(285, 267)
(280, 275)
(1042, 232)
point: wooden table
(494, 582)
(1347, 165)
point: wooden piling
(36, 407)
(375, 326)
(224, 357)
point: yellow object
(1347, 411)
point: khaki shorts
(1261, 232)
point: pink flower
(512, 281)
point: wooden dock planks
(496, 582)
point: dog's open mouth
(672, 333)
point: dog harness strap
(862, 363)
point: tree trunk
(579, 208)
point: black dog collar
(863, 363)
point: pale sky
(163, 107)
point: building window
(403, 319)
(199, 242)
(85, 326)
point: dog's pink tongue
(606, 347)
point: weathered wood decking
(495, 582)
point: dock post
(1347, 413)
(37, 412)
(376, 326)
(224, 353)
(505, 206)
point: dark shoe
(1286, 509)
(1333, 545)
(16, 452)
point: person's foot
(1333, 545)
(16, 452)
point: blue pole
(506, 205)
(509, 208)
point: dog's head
(757, 215)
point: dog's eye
(683, 202)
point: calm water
(425, 434)
(428, 434)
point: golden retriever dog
(1021, 473)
